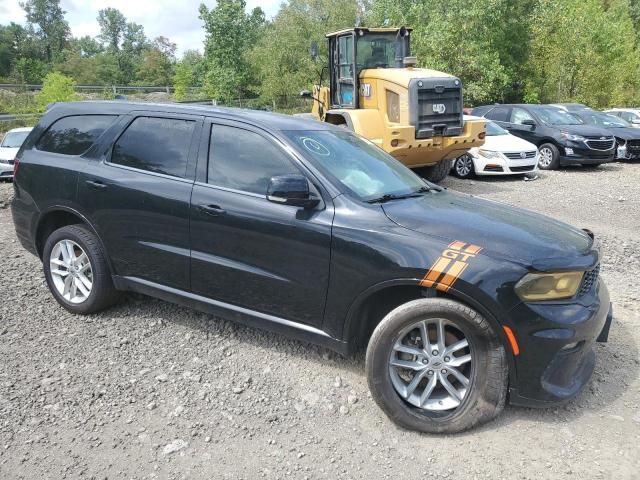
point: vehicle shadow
(612, 376)
(490, 184)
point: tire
(463, 166)
(436, 173)
(552, 162)
(101, 294)
(487, 372)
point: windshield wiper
(390, 196)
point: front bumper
(503, 166)
(556, 339)
(575, 153)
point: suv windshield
(493, 130)
(604, 120)
(556, 116)
(365, 170)
(376, 50)
(14, 139)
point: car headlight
(572, 137)
(393, 107)
(549, 286)
(488, 153)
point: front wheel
(437, 366)
(437, 172)
(549, 158)
(463, 166)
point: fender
(452, 293)
(85, 220)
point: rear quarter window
(74, 135)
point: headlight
(549, 286)
(489, 153)
(393, 107)
(572, 137)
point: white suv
(631, 115)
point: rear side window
(159, 145)
(244, 160)
(500, 114)
(74, 135)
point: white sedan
(501, 154)
(9, 147)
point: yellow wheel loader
(375, 89)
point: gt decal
(450, 265)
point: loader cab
(357, 49)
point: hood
(501, 230)
(507, 143)
(8, 153)
(402, 76)
(584, 130)
(626, 133)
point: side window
(74, 135)
(244, 160)
(519, 115)
(159, 145)
(499, 114)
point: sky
(175, 19)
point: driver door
(344, 82)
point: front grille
(596, 143)
(526, 168)
(589, 280)
(518, 155)
(436, 107)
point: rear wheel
(463, 166)
(435, 365)
(76, 270)
(549, 158)
(436, 173)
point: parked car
(307, 229)
(561, 138)
(11, 143)
(501, 154)
(571, 107)
(627, 137)
(631, 115)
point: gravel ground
(152, 390)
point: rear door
(500, 114)
(246, 250)
(138, 195)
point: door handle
(96, 185)
(213, 210)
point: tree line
(504, 50)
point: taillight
(16, 163)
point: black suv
(627, 136)
(306, 229)
(562, 138)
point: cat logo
(450, 265)
(365, 90)
(439, 108)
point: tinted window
(159, 145)
(500, 114)
(555, 116)
(519, 115)
(244, 160)
(74, 135)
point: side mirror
(529, 123)
(305, 94)
(313, 50)
(291, 190)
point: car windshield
(364, 169)
(376, 50)
(604, 120)
(14, 139)
(556, 116)
(493, 130)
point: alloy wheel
(464, 165)
(546, 157)
(431, 365)
(71, 271)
